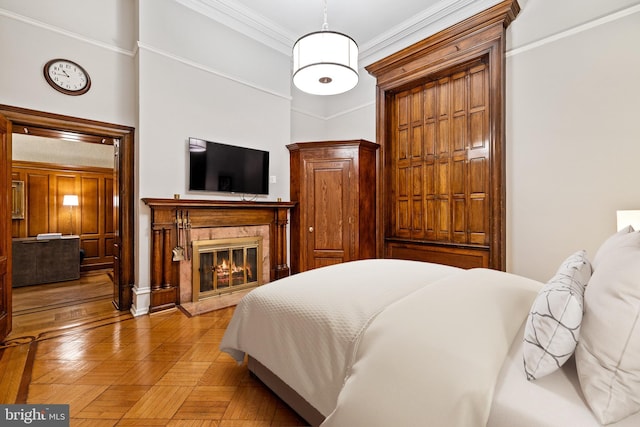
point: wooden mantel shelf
(217, 204)
(165, 273)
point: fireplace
(172, 280)
(222, 266)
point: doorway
(123, 141)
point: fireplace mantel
(214, 204)
(165, 273)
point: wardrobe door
(327, 214)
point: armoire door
(327, 212)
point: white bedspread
(305, 328)
(432, 358)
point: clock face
(67, 77)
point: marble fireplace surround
(226, 299)
(211, 219)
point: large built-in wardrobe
(440, 124)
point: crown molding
(574, 30)
(246, 21)
(436, 18)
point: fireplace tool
(188, 236)
(178, 251)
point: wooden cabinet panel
(448, 255)
(442, 172)
(333, 183)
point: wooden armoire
(334, 185)
(441, 128)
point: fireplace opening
(223, 266)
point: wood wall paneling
(440, 123)
(45, 186)
(38, 206)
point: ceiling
(373, 24)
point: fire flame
(223, 269)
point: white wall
(198, 78)
(572, 134)
(33, 32)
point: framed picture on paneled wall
(17, 199)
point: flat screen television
(214, 166)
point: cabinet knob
(310, 229)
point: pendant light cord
(325, 25)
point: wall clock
(67, 77)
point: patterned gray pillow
(553, 325)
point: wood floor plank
(107, 372)
(185, 373)
(202, 352)
(94, 423)
(61, 371)
(245, 423)
(114, 402)
(225, 374)
(251, 403)
(76, 396)
(160, 402)
(193, 423)
(145, 372)
(142, 422)
(12, 365)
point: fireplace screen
(224, 266)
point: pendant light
(325, 62)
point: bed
(396, 342)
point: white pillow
(608, 354)
(612, 243)
(553, 326)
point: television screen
(214, 166)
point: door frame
(5, 231)
(124, 174)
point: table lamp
(70, 200)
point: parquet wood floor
(163, 369)
(51, 307)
